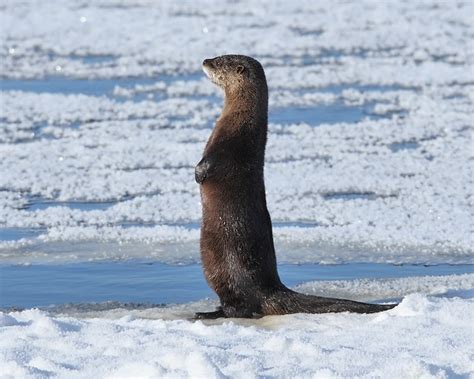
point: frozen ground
(369, 152)
(105, 112)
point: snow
(424, 336)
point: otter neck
(247, 100)
(247, 107)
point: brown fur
(236, 236)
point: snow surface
(425, 336)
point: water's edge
(142, 282)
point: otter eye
(240, 69)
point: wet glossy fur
(236, 235)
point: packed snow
(424, 336)
(105, 112)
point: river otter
(236, 235)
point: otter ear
(240, 69)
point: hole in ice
(335, 112)
(93, 87)
(328, 114)
(142, 283)
(339, 88)
(324, 55)
(58, 84)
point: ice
(370, 290)
(371, 109)
(145, 166)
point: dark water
(142, 282)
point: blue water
(63, 85)
(157, 283)
(15, 234)
(323, 114)
(93, 87)
(39, 204)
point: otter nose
(207, 62)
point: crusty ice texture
(391, 82)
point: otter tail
(287, 301)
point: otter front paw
(202, 171)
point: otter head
(234, 72)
